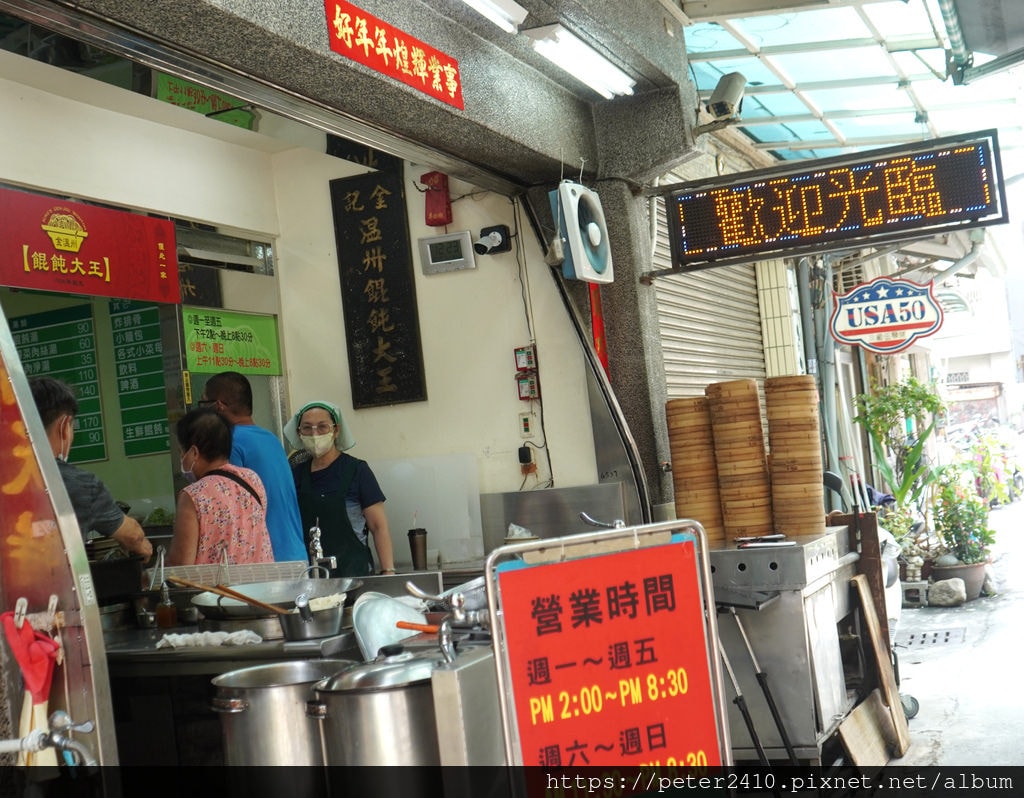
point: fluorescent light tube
(506, 14)
(580, 60)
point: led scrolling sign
(886, 195)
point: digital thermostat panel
(447, 253)
(886, 195)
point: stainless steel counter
(133, 652)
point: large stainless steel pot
(263, 712)
(379, 713)
(281, 594)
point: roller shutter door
(709, 322)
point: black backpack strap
(220, 472)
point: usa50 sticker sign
(886, 315)
(608, 660)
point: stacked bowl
(741, 458)
(694, 473)
(794, 437)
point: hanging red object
(438, 203)
(597, 327)
(36, 654)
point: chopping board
(883, 664)
(868, 732)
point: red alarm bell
(438, 203)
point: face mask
(186, 472)
(65, 448)
(317, 445)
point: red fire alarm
(438, 203)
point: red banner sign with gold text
(390, 51)
(51, 244)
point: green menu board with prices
(138, 360)
(62, 344)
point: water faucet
(316, 551)
(445, 641)
(618, 523)
(60, 726)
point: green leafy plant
(983, 457)
(915, 540)
(960, 517)
(159, 517)
(886, 413)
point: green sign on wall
(203, 100)
(141, 393)
(62, 344)
(222, 340)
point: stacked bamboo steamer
(694, 475)
(740, 457)
(794, 437)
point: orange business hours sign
(48, 244)
(608, 660)
(385, 49)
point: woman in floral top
(224, 509)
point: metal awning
(825, 78)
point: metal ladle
(302, 605)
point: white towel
(244, 637)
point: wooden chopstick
(226, 592)
(231, 593)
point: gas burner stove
(324, 646)
(462, 638)
(790, 568)
(473, 637)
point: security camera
(727, 98)
(493, 240)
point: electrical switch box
(529, 388)
(525, 425)
(526, 358)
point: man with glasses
(230, 393)
(95, 509)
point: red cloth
(35, 653)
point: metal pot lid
(400, 670)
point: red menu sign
(386, 49)
(51, 244)
(608, 660)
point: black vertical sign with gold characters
(378, 290)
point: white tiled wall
(780, 320)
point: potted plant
(888, 413)
(960, 517)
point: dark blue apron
(337, 536)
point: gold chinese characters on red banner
(50, 244)
(382, 47)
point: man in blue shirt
(259, 449)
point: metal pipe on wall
(803, 282)
(826, 346)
